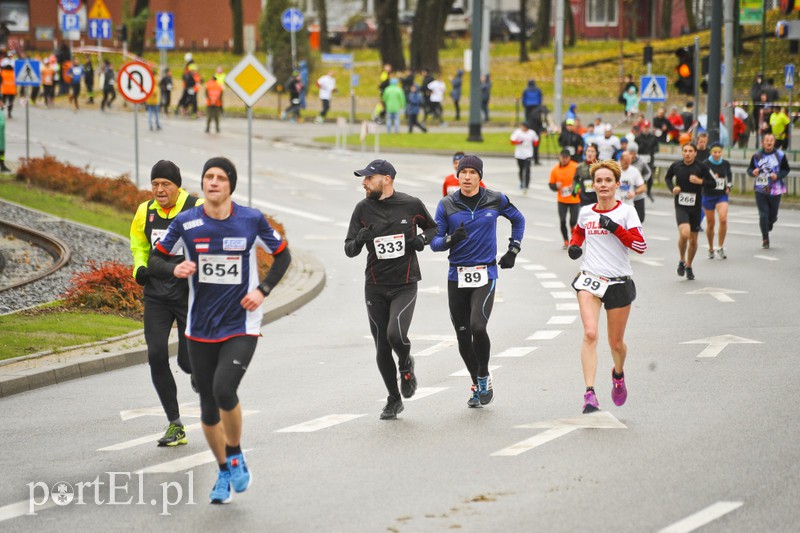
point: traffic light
(122, 33)
(685, 70)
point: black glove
(417, 243)
(575, 251)
(607, 223)
(364, 236)
(142, 276)
(457, 236)
(510, 257)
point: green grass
(27, 334)
(66, 206)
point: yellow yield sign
(99, 10)
(250, 80)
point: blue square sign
(165, 30)
(654, 89)
(27, 73)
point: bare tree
(136, 26)
(237, 16)
(321, 7)
(523, 16)
(425, 37)
(570, 21)
(666, 19)
(541, 35)
(447, 6)
(391, 42)
(690, 18)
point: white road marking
(184, 463)
(149, 439)
(721, 295)
(553, 284)
(545, 275)
(442, 345)
(422, 392)
(568, 307)
(702, 517)
(432, 290)
(187, 409)
(322, 422)
(544, 335)
(280, 208)
(559, 428)
(744, 233)
(324, 238)
(718, 343)
(565, 295)
(7, 512)
(649, 237)
(517, 351)
(651, 261)
(567, 319)
(766, 257)
(535, 267)
(538, 238)
(465, 373)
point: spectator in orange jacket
(213, 103)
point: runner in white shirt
(327, 86)
(632, 187)
(523, 138)
(608, 145)
(606, 230)
(437, 88)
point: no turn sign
(135, 82)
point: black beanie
(470, 161)
(225, 164)
(166, 170)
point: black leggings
(524, 172)
(390, 308)
(218, 369)
(159, 316)
(469, 311)
(573, 217)
(767, 212)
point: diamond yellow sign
(250, 80)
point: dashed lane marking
(535, 267)
(556, 320)
(545, 275)
(517, 351)
(545, 335)
(568, 307)
(317, 424)
(563, 295)
(766, 257)
(184, 463)
(553, 284)
(422, 392)
(702, 517)
(464, 373)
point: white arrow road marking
(568, 307)
(442, 345)
(544, 335)
(718, 343)
(319, 423)
(766, 257)
(650, 261)
(554, 320)
(559, 428)
(465, 373)
(422, 392)
(535, 267)
(552, 284)
(720, 294)
(545, 275)
(518, 351)
(702, 517)
(184, 463)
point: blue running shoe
(485, 390)
(221, 493)
(240, 475)
(474, 399)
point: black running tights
(469, 311)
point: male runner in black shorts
(386, 221)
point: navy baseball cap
(379, 166)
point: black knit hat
(471, 161)
(225, 164)
(166, 170)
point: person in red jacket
(213, 103)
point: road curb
(304, 280)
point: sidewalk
(304, 280)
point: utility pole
(558, 85)
(714, 72)
(727, 86)
(475, 76)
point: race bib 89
(473, 277)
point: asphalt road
(708, 436)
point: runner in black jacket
(386, 221)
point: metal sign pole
(136, 141)
(249, 156)
(27, 132)
(649, 109)
(294, 50)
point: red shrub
(106, 287)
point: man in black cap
(165, 297)
(219, 240)
(387, 222)
(467, 227)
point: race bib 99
(595, 285)
(472, 277)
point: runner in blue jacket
(467, 227)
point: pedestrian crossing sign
(27, 73)
(654, 89)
